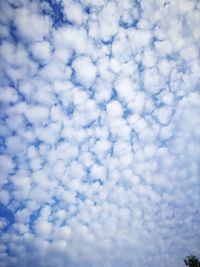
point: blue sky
(99, 133)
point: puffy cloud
(99, 153)
(3, 223)
(164, 114)
(8, 95)
(37, 114)
(7, 167)
(41, 51)
(153, 81)
(114, 109)
(73, 12)
(85, 71)
(4, 198)
(124, 88)
(71, 38)
(108, 16)
(31, 25)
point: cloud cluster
(99, 133)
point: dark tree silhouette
(192, 261)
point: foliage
(192, 261)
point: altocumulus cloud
(99, 133)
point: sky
(99, 133)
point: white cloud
(166, 132)
(149, 58)
(21, 187)
(101, 147)
(73, 12)
(4, 197)
(72, 39)
(6, 166)
(85, 71)
(99, 133)
(95, 3)
(124, 88)
(121, 49)
(139, 38)
(12, 54)
(153, 81)
(37, 114)
(8, 95)
(43, 229)
(164, 114)
(30, 25)
(137, 103)
(41, 51)
(164, 47)
(76, 171)
(114, 109)
(55, 70)
(3, 223)
(165, 67)
(14, 145)
(108, 16)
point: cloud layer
(99, 133)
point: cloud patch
(99, 133)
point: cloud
(7, 167)
(99, 133)
(74, 12)
(31, 25)
(85, 71)
(41, 51)
(37, 114)
(74, 39)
